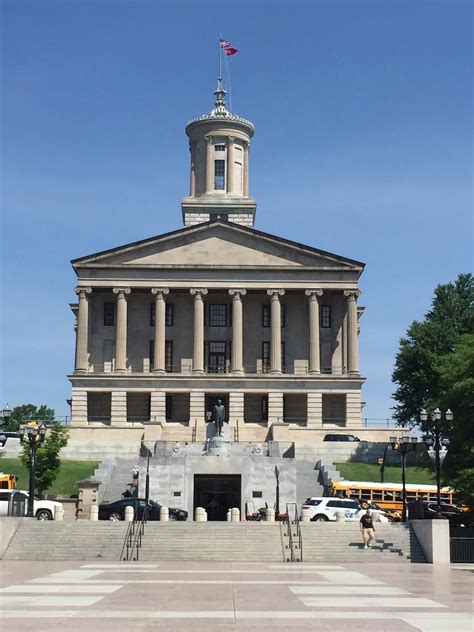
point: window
(219, 175)
(219, 147)
(266, 357)
(217, 315)
(217, 355)
(222, 216)
(168, 355)
(312, 502)
(266, 315)
(264, 408)
(109, 314)
(169, 317)
(169, 407)
(326, 316)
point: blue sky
(363, 147)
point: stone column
(82, 359)
(209, 164)
(352, 341)
(314, 350)
(230, 164)
(160, 329)
(121, 329)
(192, 183)
(275, 345)
(237, 367)
(245, 192)
(198, 348)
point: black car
(116, 511)
(341, 437)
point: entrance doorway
(217, 494)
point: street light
(437, 448)
(6, 415)
(404, 445)
(34, 434)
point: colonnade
(237, 367)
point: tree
(47, 456)
(434, 368)
(28, 412)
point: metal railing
(133, 540)
(461, 543)
(294, 545)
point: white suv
(42, 509)
(325, 508)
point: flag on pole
(231, 51)
(224, 43)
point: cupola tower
(219, 174)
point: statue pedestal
(219, 446)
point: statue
(218, 414)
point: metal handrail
(133, 540)
(289, 522)
(126, 541)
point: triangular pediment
(216, 244)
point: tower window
(218, 316)
(219, 174)
(326, 316)
(219, 147)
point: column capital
(246, 145)
(231, 139)
(198, 291)
(314, 293)
(82, 292)
(209, 139)
(121, 291)
(236, 293)
(352, 294)
(159, 292)
(275, 293)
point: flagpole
(220, 57)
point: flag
(231, 51)
(224, 44)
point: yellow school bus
(389, 495)
(7, 481)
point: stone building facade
(216, 309)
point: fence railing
(462, 545)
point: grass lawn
(65, 483)
(393, 474)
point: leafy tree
(47, 456)
(435, 368)
(28, 412)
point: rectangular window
(169, 314)
(264, 408)
(265, 357)
(169, 356)
(109, 314)
(219, 175)
(169, 407)
(326, 316)
(217, 315)
(217, 357)
(266, 315)
(219, 147)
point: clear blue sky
(363, 147)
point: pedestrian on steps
(367, 528)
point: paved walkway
(234, 596)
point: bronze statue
(218, 414)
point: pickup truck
(42, 509)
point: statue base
(218, 446)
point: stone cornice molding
(313, 294)
(198, 291)
(82, 292)
(121, 292)
(159, 292)
(352, 294)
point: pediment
(216, 244)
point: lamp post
(437, 448)
(403, 445)
(382, 463)
(33, 433)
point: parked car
(392, 514)
(42, 509)
(447, 511)
(341, 437)
(116, 511)
(325, 508)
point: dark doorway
(217, 494)
(211, 401)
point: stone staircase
(80, 540)
(212, 541)
(115, 476)
(342, 542)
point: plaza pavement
(215, 596)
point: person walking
(367, 528)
